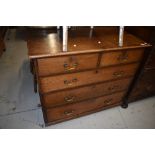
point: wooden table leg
(35, 83)
(32, 69)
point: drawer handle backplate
(70, 82)
(123, 57)
(118, 73)
(70, 99)
(108, 101)
(68, 67)
(69, 112)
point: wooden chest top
(46, 43)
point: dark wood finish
(83, 93)
(34, 72)
(82, 107)
(2, 47)
(150, 62)
(94, 74)
(3, 30)
(59, 82)
(143, 85)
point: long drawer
(73, 110)
(52, 83)
(82, 93)
(66, 64)
(121, 57)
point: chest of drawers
(83, 81)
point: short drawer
(72, 110)
(121, 57)
(82, 93)
(59, 82)
(66, 64)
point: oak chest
(94, 74)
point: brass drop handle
(69, 99)
(69, 112)
(70, 82)
(68, 67)
(118, 73)
(108, 101)
(123, 57)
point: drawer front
(121, 57)
(87, 92)
(72, 110)
(66, 64)
(59, 82)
